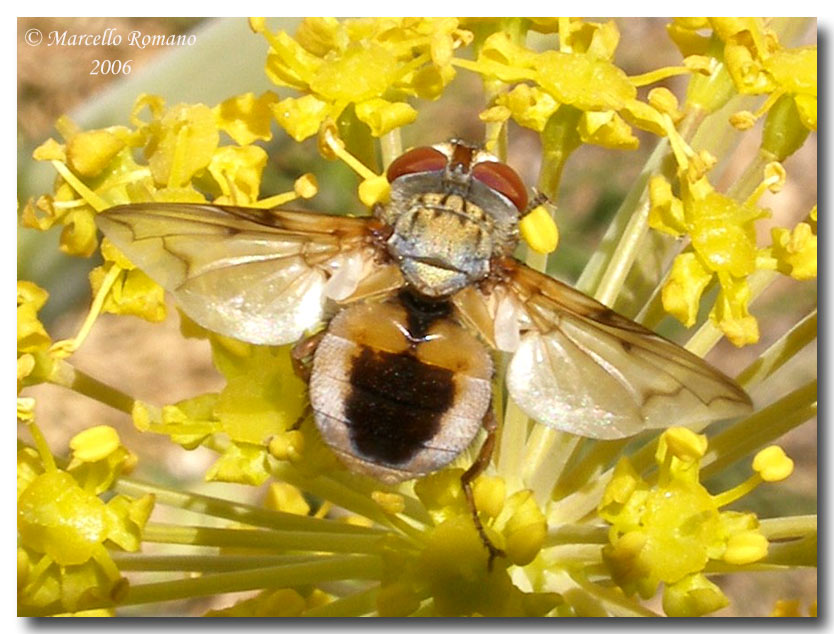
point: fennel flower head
(676, 159)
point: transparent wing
(584, 369)
(256, 275)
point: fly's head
(453, 208)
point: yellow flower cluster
(63, 525)
(723, 246)
(451, 565)
(368, 65)
(257, 410)
(184, 162)
(721, 227)
(667, 532)
(757, 63)
(580, 75)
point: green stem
(750, 179)
(322, 571)
(608, 266)
(237, 512)
(763, 427)
(290, 575)
(781, 351)
(559, 140)
(576, 534)
(303, 539)
(67, 375)
(391, 146)
(137, 562)
(591, 599)
(547, 453)
(512, 443)
(790, 527)
(42, 447)
(588, 466)
(580, 503)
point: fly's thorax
(444, 233)
(398, 391)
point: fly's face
(452, 209)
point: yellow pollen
(94, 443)
(539, 230)
(374, 190)
(306, 186)
(772, 464)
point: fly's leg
(302, 353)
(301, 357)
(484, 455)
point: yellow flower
(134, 293)
(452, 568)
(88, 153)
(759, 64)
(237, 172)
(34, 363)
(724, 247)
(63, 525)
(257, 409)
(359, 62)
(382, 116)
(667, 532)
(796, 251)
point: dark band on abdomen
(395, 405)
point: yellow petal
(607, 129)
(681, 294)
(185, 141)
(796, 251)
(302, 117)
(583, 82)
(246, 118)
(693, 596)
(731, 314)
(382, 116)
(95, 443)
(88, 153)
(50, 150)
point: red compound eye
(420, 159)
(503, 179)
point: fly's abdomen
(396, 397)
